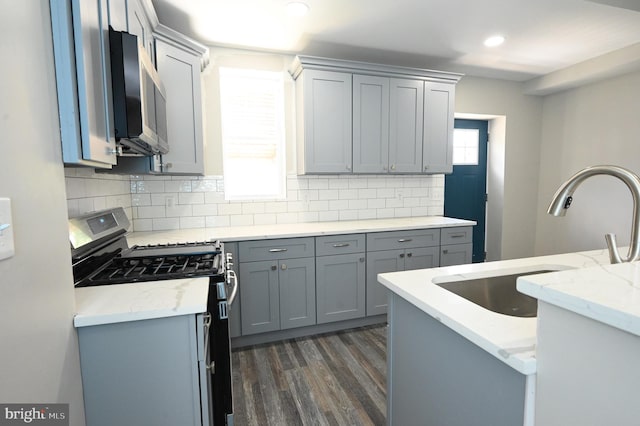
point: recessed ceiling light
(297, 8)
(494, 41)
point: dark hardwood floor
(329, 379)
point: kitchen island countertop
(510, 339)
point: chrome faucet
(564, 195)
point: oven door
(220, 353)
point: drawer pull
(274, 267)
(405, 240)
(401, 255)
(409, 254)
(341, 245)
(277, 250)
(456, 235)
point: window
(465, 146)
(253, 141)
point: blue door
(465, 189)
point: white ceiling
(541, 35)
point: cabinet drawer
(340, 244)
(403, 239)
(459, 235)
(289, 248)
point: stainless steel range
(102, 256)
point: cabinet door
(260, 298)
(325, 117)
(83, 79)
(340, 287)
(379, 262)
(438, 127)
(456, 254)
(421, 258)
(139, 25)
(118, 14)
(297, 292)
(179, 71)
(370, 124)
(405, 126)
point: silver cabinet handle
(401, 255)
(274, 267)
(456, 235)
(405, 240)
(393, 167)
(283, 266)
(409, 254)
(445, 251)
(277, 250)
(338, 245)
(232, 277)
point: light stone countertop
(263, 232)
(110, 304)
(510, 339)
(606, 293)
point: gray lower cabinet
(340, 277)
(379, 262)
(278, 293)
(147, 372)
(393, 251)
(456, 246)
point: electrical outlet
(6, 229)
(170, 201)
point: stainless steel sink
(497, 293)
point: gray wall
(39, 359)
(521, 116)
(593, 124)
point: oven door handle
(232, 277)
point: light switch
(6, 229)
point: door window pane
(465, 146)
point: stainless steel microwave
(139, 98)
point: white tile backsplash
(89, 191)
(181, 202)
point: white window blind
(253, 141)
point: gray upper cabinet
(405, 125)
(370, 124)
(323, 117)
(402, 118)
(387, 124)
(438, 127)
(179, 69)
(83, 79)
(140, 25)
(118, 15)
